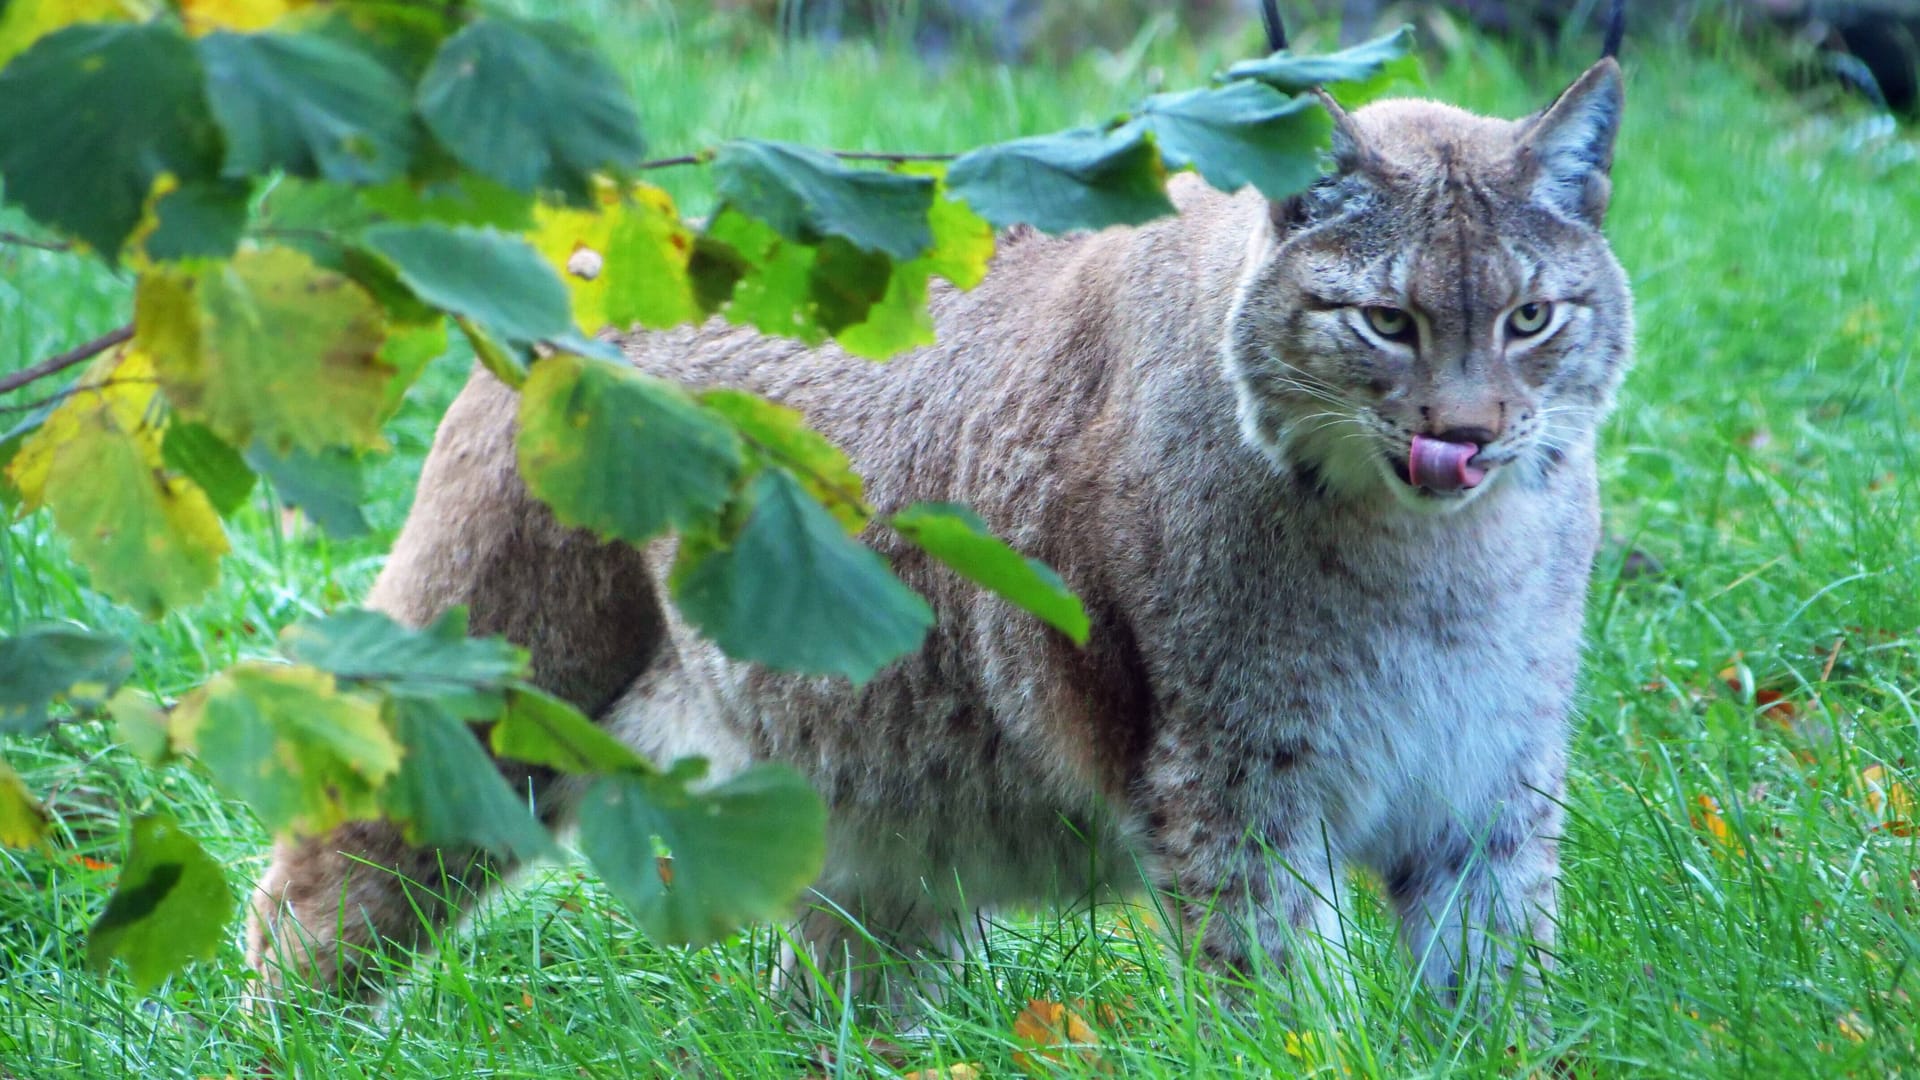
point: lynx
(1322, 471)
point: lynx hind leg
(585, 611)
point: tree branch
(28, 241)
(65, 360)
(705, 156)
(76, 388)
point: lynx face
(1440, 316)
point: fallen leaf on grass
(1888, 800)
(1048, 1024)
(1715, 826)
(951, 1072)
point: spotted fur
(1299, 663)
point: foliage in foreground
(309, 194)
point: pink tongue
(1442, 465)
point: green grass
(1763, 454)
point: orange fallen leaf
(951, 1072)
(1889, 800)
(1044, 1024)
(1715, 826)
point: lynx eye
(1389, 322)
(1529, 319)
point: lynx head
(1440, 315)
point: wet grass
(1740, 879)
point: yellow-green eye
(1529, 319)
(1389, 322)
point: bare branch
(27, 241)
(76, 388)
(65, 360)
(705, 156)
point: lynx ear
(1566, 152)
(1333, 193)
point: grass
(1737, 902)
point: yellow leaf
(1049, 1025)
(1888, 799)
(22, 22)
(950, 1072)
(268, 347)
(206, 16)
(122, 387)
(22, 823)
(151, 539)
(1716, 826)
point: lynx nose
(1478, 436)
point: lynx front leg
(1479, 905)
(1255, 874)
(329, 908)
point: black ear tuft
(1338, 191)
(1569, 148)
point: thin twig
(77, 388)
(28, 241)
(705, 156)
(65, 360)
(668, 162)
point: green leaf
(195, 452)
(738, 852)
(530, 104)
(126, 103)
(496, 280)
(781, 436)
(23, 823)
(586, 424)
(543, 730)
(794, 592)
(307, 104)
(362, 645)
(449, 791)
(1079, 179)
(171, 907)
(328, 485)
(771, 286)
(200, 220)
(1291, 74)
(304, 754)
(899, 320)
(462, 199)
(1242, 133)
(957, 537)
(57, 665)
(22, 22)
(402, 35)
(807, 196)
(268, 347)
(140, 726)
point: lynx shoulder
(1322, 472)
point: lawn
(1742, 869)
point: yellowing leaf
(151, 539)
(1049, 1028)
(269, 347)
(22, 823)
(22, 22)
(206, 16)
(121, 385)
(304, 754)
(950, 1072)
(1888, 799)
(624, 260)
(1715, 826)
